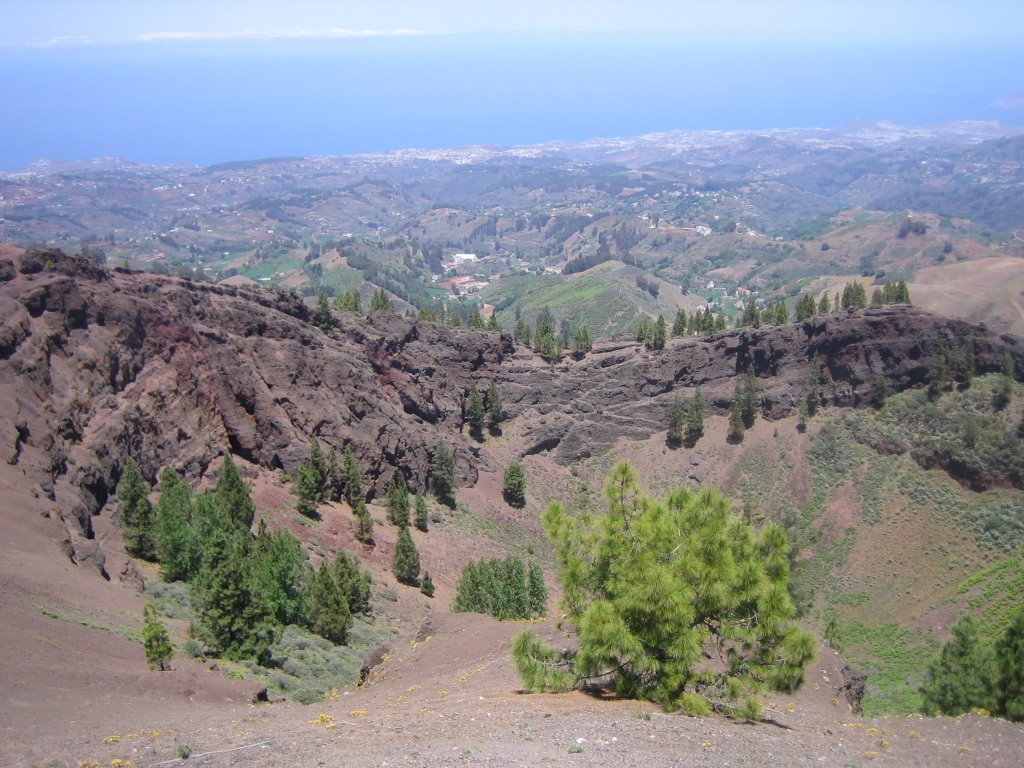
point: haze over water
(203, 103)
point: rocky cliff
(99, 364)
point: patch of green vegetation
(605, 299)
(994, 595)
(894, 658)
(170, 599)
(513, 538)
(305, 667)
(269, 267)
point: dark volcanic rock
(622, 390)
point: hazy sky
(207, 80)
(69, 22)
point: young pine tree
(814, 386)
(405, 564)
(354, 491)
(475, 413)
(659, 334)
(335, 479)
(736, 427)
(676, 423)
(155, 641)
(329, 614)
(136, 512)
(420, 513)
(495, 415)
(694, 419)
(679, 324)
(398, 501)
(322, 317)
(442, 475)
(427, 584)
(362, 523)
(513, 487)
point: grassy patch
(894, 658)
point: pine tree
(329, 614)
(398, 501)
(513, 487)
(335, 482)
(406, 563)
(475, 413)
(736, 428)
(495, 415)
(694, 418)
(348, 301)
(824, 306)
(381, 302)
(354, 491)
(427, 584)
(231, 615)
(492, 323)
(805, 308)
(420, 507)
(938, 373)
(316, 461)
(233, 494)
(659, 334)
(581, 343)
(537, 591)
(814, 386)
(282, 574)
(679, 324)
(362, 523)
(155, 640)
(651, 586)
(322, 317)
(442, 475)
(353, 582)
(781, 314)
(676, 421)
(880, 391)
(177, 546)
(309, 489)
(136, 512)
(1003, 391)
(749, 392)
(854, 296)
(1009, 653)
(963, 677)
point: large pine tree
(136, 512)
(233, 494)
(675, 600)
(963, 677)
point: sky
(208, 81)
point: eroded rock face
(622, 390)
(96, 365)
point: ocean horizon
(199, 103)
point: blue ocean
(205, 103)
